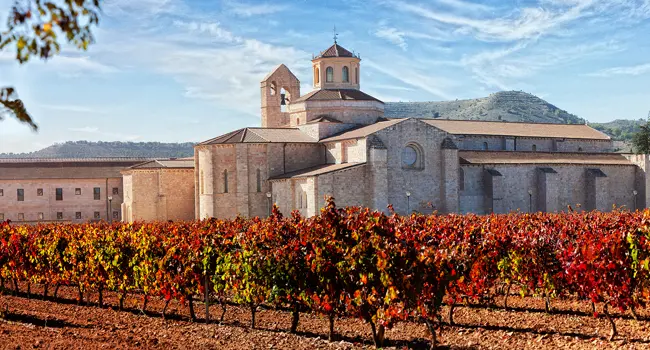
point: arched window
(317, 75)
(356, 75)
(330, 74)
(485, 146)
(534, 148)
(461, 179)
(259, 180)
(304, 199)
(273, 89)
(299, 200)
(225, 181)
(412, 156)
(346, 75)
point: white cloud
(627, 70)
(213, 29)
(523, 23)
(398, 37)
(465, 5)
(249, 10)
(74, 109)
(74, 66)
(410, 76)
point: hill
(619, 129)
(87, 149)
(512, 106)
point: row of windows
(59, 216)
(533, 147)
(329, 75)
(20, 193)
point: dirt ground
(61, 324)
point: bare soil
(60, 323)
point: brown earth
(61, 324)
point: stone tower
(336, 68)
(279, 88)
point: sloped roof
(283, 67)
(317, 170)
(324, 119)
(509, 157)
(466, 127)
(261, 135)
(363, 131)
(166, 163)
(94, 168)
(335, 50)
(336, 94)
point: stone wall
(506, 143)
(347, 111)
(159, 195)
(348, 187)
(423, 184)
(323, 130)
(353, 151)
(568, 185)
(72, 203)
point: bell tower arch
(278, 89)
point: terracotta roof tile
(363, 131)
(507, 157)
(317, 170)
(166, 163)
(465, 127)
(335, 50)
(335, 95)
(261, 135)
(65, 168)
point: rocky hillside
(513, 106)
(87, 149)
(619, 129)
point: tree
(34, 28)
(641, 140)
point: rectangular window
(59, 215)
(2, 216)
(97, 215)
(21, 194)
(97, 193)
(225, 181)
(39, 192)
(2, 192)
(77, 191)
(77, 215)
(116, 215)
(21, 217)
(40, 216)
(59, 194)
(116, 191)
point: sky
(189, 70)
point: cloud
(398, 37)
(73, 108)
(73, 65)
(213, 29)
(625, 70)
(464, 5)
(249, 10)
(522, 23)
(415, 78)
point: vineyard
(344, 263)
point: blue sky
(189, 70)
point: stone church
(336, 141)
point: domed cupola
(336, 68)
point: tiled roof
(324, 119)
(363, 131)
(166, 163)
(280, 67)
(336, 94)
(465, 127)
(30, 169)
(508, 157)
(261, 135)
(335, 50)
(75, 160)
(317, 170)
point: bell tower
(279, 88)
(336, 68)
